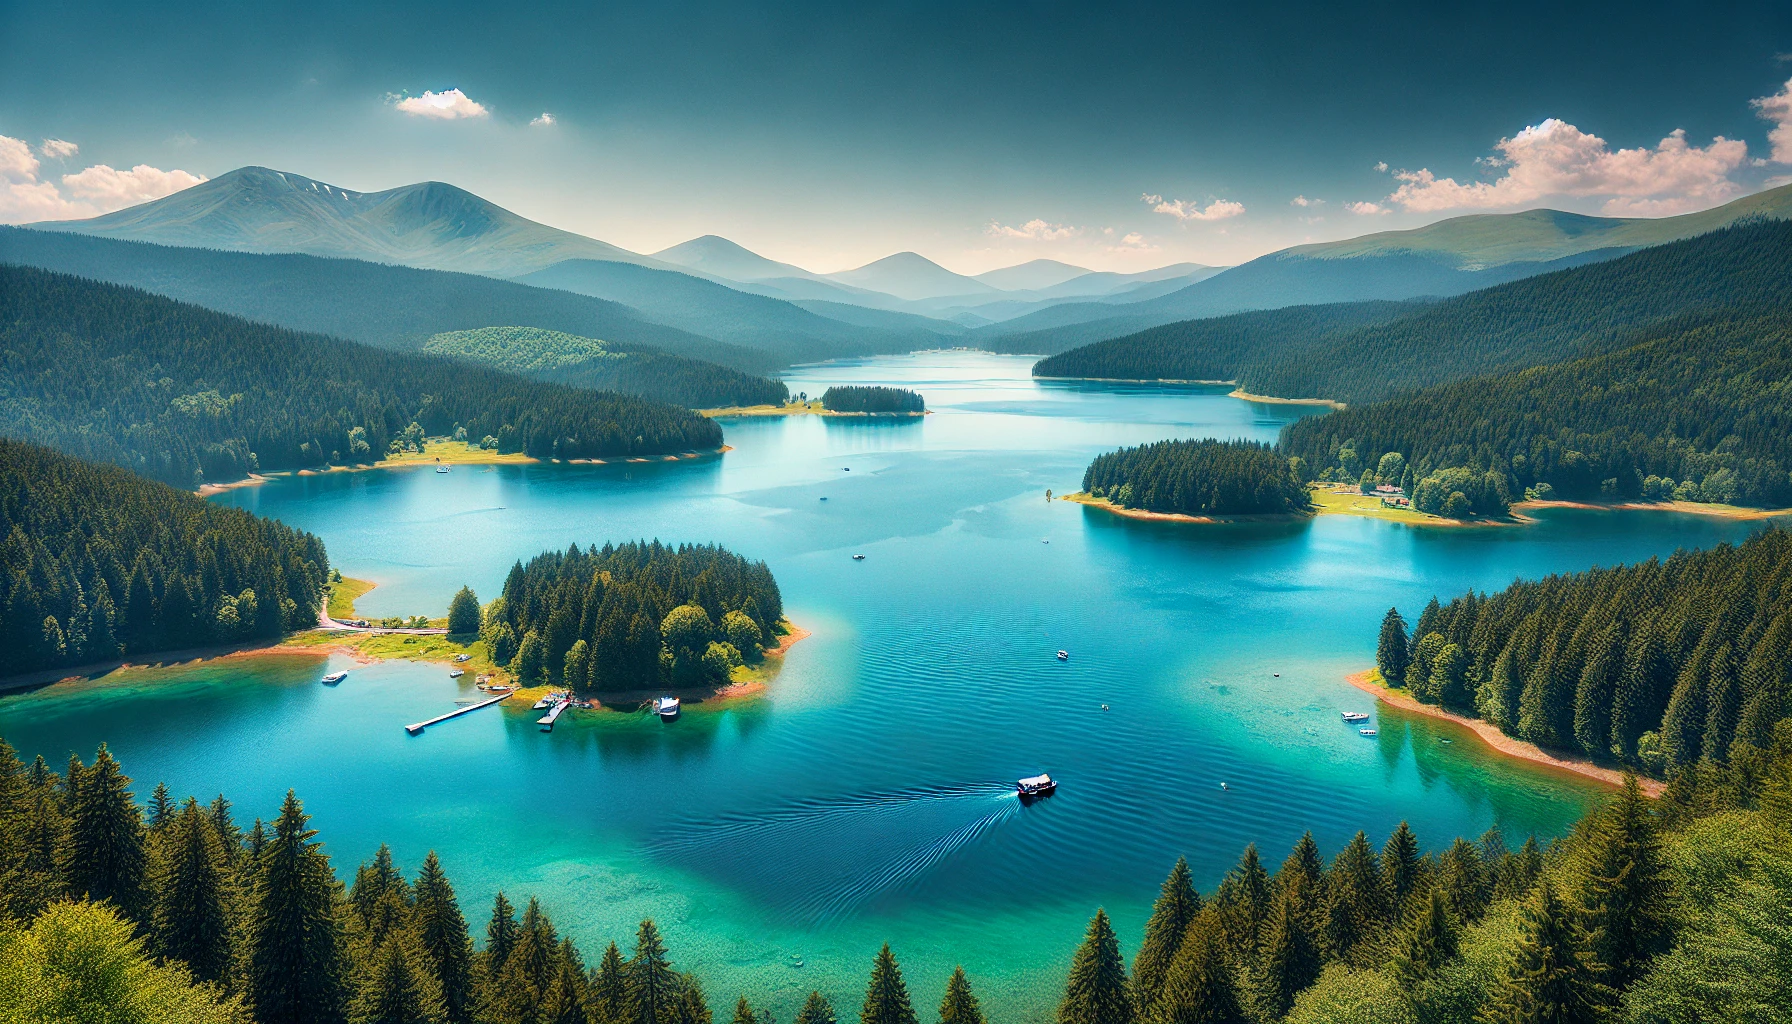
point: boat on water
(457, 673)
(666, 707)
(335, 677)
(1355, 716)
(1366, 732)
(1035, 786)
(1063, 655)
(858, 558)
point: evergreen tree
(1427, 943)
(653, 986)
(1624, 890)
(1553, 977)
(886, 997)
(442, 938)
(1400, 867)
(1289, 959)
(1597, 692)
(106, 855)
(294, 970)
(1200, 988)
(689, 1007)
(463, 612)
(374, 882)
(1462, 878)
(396, 988)
(500, 935)
(1357, 905)
(1243, 899)
(816, 1010)
(958, 1006)
(1096, 991)
(609, 989)
(1391, 649)
(190, 919)
(161, 808)
(1176, 906)
(567, 995)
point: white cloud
(1382, 167)
(450, 105)
(1367, 209)
(1187, 210)
(1035, 230)
(98, 189)
(58, 149)
(1132, 241)
(1303, 201)
(544, 118)
(1778, 109)
(1555, 158)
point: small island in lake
(1194, 481)
(837, 401)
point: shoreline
(800, 409)
(1145, 380)
(1697, 508)
(1090, 501)
(1491, 736)
(1271, 400)
(513, 459)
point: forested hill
(1661, 665)
(588, 362)
(1198, 478)
(101, 563)
(1569, 314)
(1702, 414)
(1214, 349)
(388, 306)
(183, 394)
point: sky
(979, 135)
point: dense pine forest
(186, 395)
(1642, 914)
(589, 363)
(1197, 478)
(872, 399)
(100, 563)
(1734, 273)
(633, 617)
(1673, 667)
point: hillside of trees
(1666, 666)
(1216, 349)
(872, 399)
(187, 395)
(589, 363)
(100, 563)
(1643, 914)
(1735, 273)
(1198, 478)
(375, 303)
(633, 617)
(1698, 414)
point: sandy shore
(1694, 507)
(1145, 380)
(1369, 682)
(803, 409)
(1271, 400)
(429, 460)
(1089, 500)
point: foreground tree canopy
(99, 563)
(1197, 478)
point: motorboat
(1063, 655)
(666, 707)
(335, 677)
(1355, 716)
(1035, 786)
(463, 657)
(457, 673)
(1366, 732)
(858, 558)
(441, 469)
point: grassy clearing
(788, 409)
(1328, 502)
(343, 596)
(454, 453)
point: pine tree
(1400, 868)
(1200, 987)
(1390, 649)
(191, 896)
(463, 612)
(500, 936)
(1288, 960)
(1594, 697)
(743, 1013)
(816, 1010)
(161, 808)
(690, 1007)
(653, 986)
(1243, 899)
(1357, 905)
(886, 997)
(1096, 991)
(1462, 878)
(225, 829)
(1639, 699)
(958, 1006)
(294, 970)
(1177, 904)
(1553, 977)
(529, 970)
(1427, 943)
(442, 938)
(1723, 706)
(107, 859)
(1624, 890)
(374, 882)
(609, 989)
(396, 988)
(566, 998)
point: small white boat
(858, 558)
(457, 673)
(1366, 732)
(666, 707)
(441, 469)
(1035, 786)
(1355, 716)
(335, 677)
(463, 657)
(549, 701)
(1063, 655)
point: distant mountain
(719, 257)
(430, 224)
(911, 276)
(1031, 276)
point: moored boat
(1035, 786)
(549, 701)
(666, 707)
(335, 677)
(1063, 655)
(456, 673)
(1355, 716)
(1366, 732)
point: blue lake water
(867, 796)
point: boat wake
(820, 860)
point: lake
(868, 796)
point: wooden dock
(418, 727)
(547, 721)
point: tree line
(842, 398)
(590, 363)
(633, 616)
(1198, 478)
(101, 563)
(1641, 914)
(1670, 667)
(186, 395)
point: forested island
(901, 401)
(186, 396)
(101, 563)
(590, 363)
(633, 617)
(1640, 913)
(1674, 668)
(1198, 478)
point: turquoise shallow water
(866, 796)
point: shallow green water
(867, 796)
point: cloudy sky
(979, 135)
